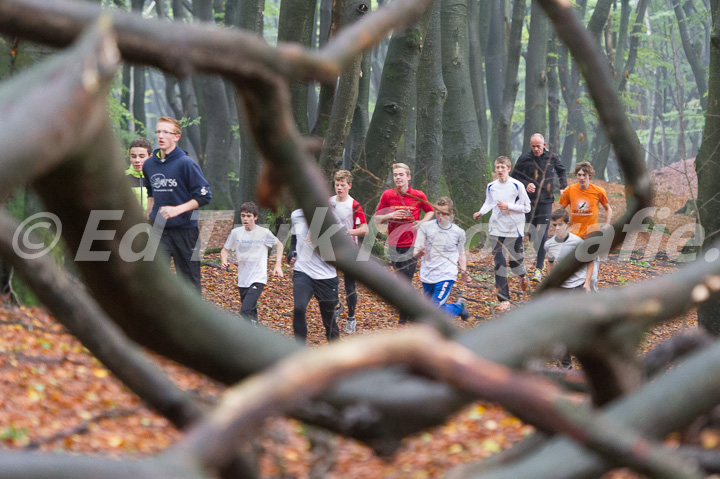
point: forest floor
(57, 397)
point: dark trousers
(539, 218)
(249, 297)
(326, 293)
(350, 295)
(403, 262)
(180, 244)
(513, 247)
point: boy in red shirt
(401, 209)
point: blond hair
(172, 121)
(343, 175)
(401, 165)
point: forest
(273, 97)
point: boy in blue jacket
(176, 187)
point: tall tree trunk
(139, 84)
(553, 86)
(345, 98)
(393, 102)
(495, 69)
(511, 81)
(691, 53)
(328, 90)
(216, 121)
(125, 94)
(463, 151)
(407, 149)
(190, 110)
(431, 96)
(601, 148)
(379, 54)
(477, 73)
(707, 164)
(569, 74)
(536, 75)
(250, 19)
(355, 147)
(295, 25)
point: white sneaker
(349, 326)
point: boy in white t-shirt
(562, 243)
(557, 247)
(250, 243)
(509, 202)
(312, 277)
(441, 244)
(350, 215)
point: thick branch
(533, 399)
(74, 87)
(182, 49)
(18, 465)
(79, 313)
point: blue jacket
(173, 181)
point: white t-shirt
(558, 250)
(308, 258)
(442, 250)
(510, 222)
(251, 250)
(347, 215)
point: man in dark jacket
(536, 169)
(176, 187)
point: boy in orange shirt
(584, 200)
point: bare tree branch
(74, 87)
(182, 49)
(78, 312)
(25, 465)
(539, 401)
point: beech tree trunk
(511, 82)
(250, 18)
(707, 164)
(295, 25)
(431, 96)
(391, 109)
(216, 122)
(463, 151)
(536, 76)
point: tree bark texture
(431, 96)
(355, 146)
(477, 71)
(511, 82)
(463, 151)
(536, 76)
(295, 25)
(387, 124)
(495, 68)
(707, 166)
(346, 96)
(251, 19)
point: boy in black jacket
(176, 187)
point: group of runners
(170, 186)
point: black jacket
(541, 171)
